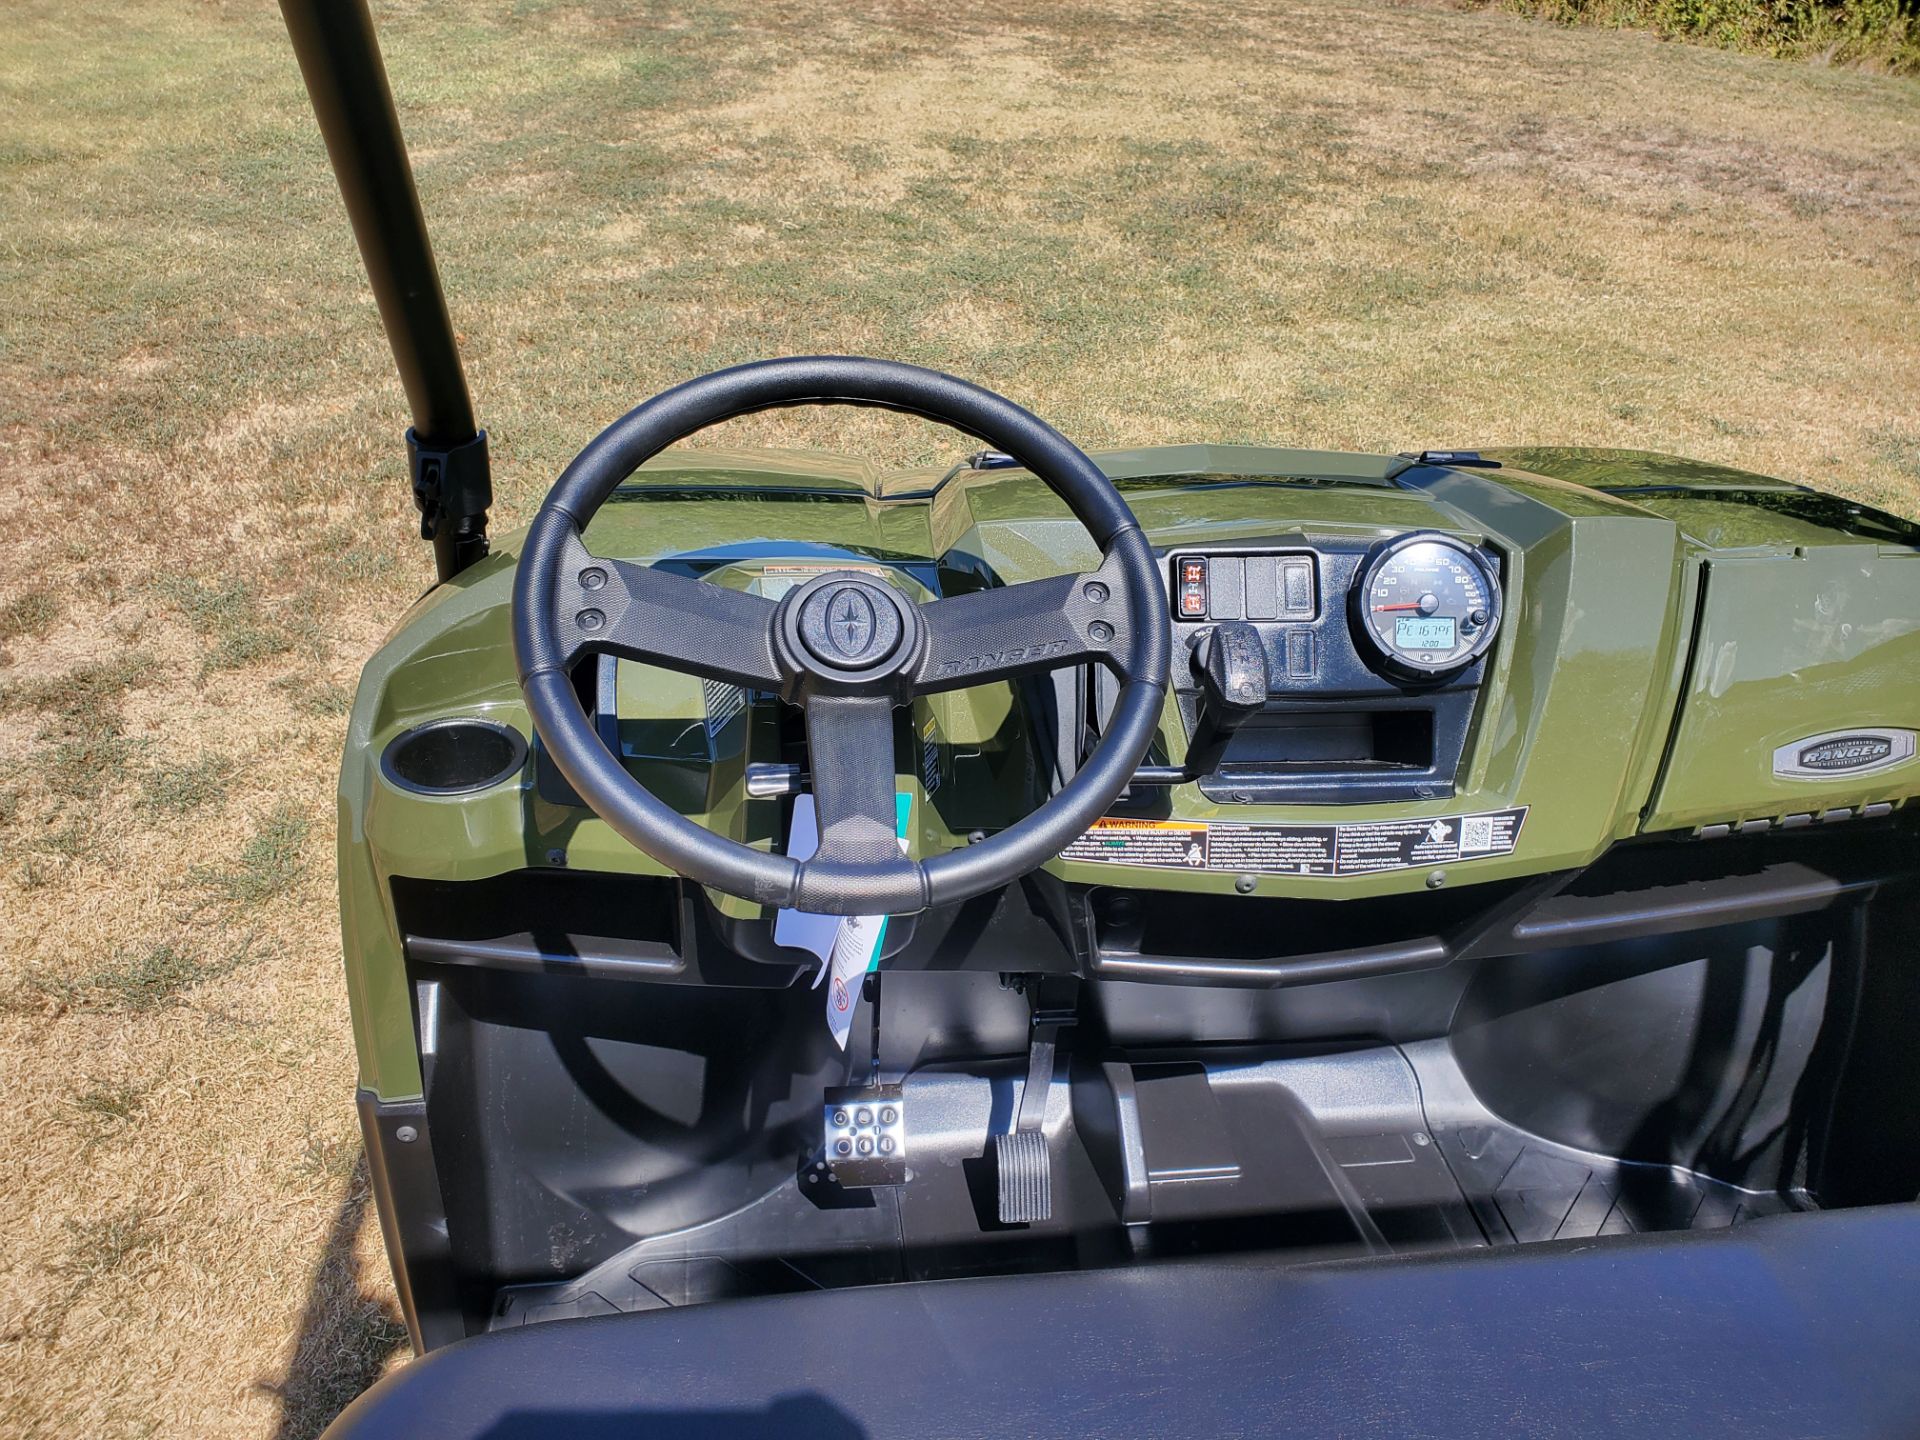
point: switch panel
(1245, 587)
(1190, 593)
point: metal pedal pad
(1025, 1170)
(866, 1135)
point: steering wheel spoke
(636, 612)
(851, 755)
(1018, 629)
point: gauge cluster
(1425, 605)
(1372, 655)
(1420, 607)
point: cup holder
(453, 757)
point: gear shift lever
(1231, 664)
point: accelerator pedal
(1026, 1177)
(1022, 1161)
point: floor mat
(1374, 1150)
(1524, 1188)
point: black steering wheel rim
(567, 603)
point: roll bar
(340, 61)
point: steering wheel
(844, 647)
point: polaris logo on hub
(1843, 752)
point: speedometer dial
(1425, 605)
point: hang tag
(855, 951)
(848, 945)
(798, 928)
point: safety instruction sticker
(774, 581)
(1355, 849)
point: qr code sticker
(1476, 833)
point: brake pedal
(866, 1135)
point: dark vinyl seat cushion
(1803, 1325)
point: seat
(1800, 1325)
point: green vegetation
(105, 1110)
(194, 785)
(108, 1245)
(86, 698)
(1882, 32)
(31, 613)
(143, 979)
(1900, 449)
(229, 616)
(89, 763)
(268, 865)
(320, 698)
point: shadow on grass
(348, 1329)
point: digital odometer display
(1411, 632)
(1425, 605)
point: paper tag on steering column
(856, 950)
(848, 945)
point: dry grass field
(1350, 225)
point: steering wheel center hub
(849, 624)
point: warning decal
(1359, 849)
(1168, 844)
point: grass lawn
(1379, 226)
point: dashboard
(1392, 675)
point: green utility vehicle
(1201, 940)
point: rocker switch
(1192, 595)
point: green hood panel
(1718, 508)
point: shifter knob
(1230, 662)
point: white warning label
(1357, 849)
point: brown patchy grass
(1353, 225)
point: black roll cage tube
(340, 61)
